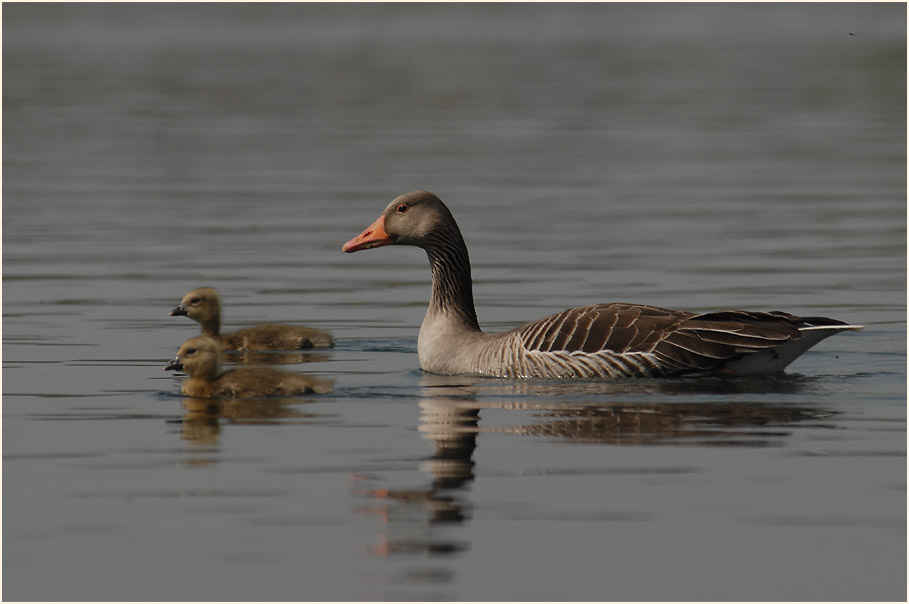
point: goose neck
(452, 286)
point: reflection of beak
(373, 236)
(178, 311)
(174, 365)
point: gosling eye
(195, 301)
(401, 208)
(191, 352)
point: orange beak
(373, 236)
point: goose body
(200, 359)
(203, 305)
(614, 340)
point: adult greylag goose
(614, 340)
(200, 359)
(203, 305)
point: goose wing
(614, 327)
(673, 341)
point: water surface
(697, 157)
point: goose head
(411, 219)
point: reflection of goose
(203, 305)
(451, 425)
(721, 424)
(200, 359)
(601, 341)
(574, 412)
(410, 515)
(450, 409)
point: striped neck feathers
(452, 286)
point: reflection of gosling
(203, 306)
(200, 359)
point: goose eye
(401, 208)
(195, 301)
(191, 352)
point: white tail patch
(776, 359)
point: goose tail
(777, 359)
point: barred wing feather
(635, 339)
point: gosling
(203, 305)
(200, 359)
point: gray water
(686, 156)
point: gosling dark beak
(178, 311)
(174, 365)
